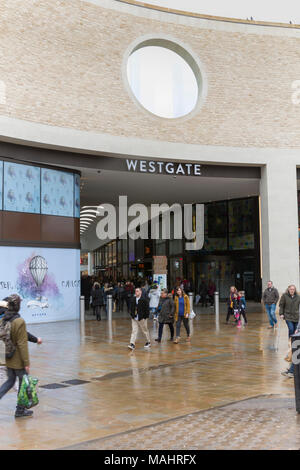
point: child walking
(236, 307)
(243, 306)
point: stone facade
(62, 65)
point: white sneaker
(147, 345)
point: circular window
(164, 78)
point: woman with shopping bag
(17, 355)
(182, 312)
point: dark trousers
(87, 302)
(119, 304)
(161, 327)
(292, 327)
(12, 375)
(97, 311)
(243, 313)
(128, 302)
(186, 325)
(229, 312)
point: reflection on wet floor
(124, 390)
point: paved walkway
(92, 386)
(255, 424)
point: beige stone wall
(61, 62)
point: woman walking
(166, 309)
(182, 311)
(232, 292)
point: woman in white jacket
(154, 296)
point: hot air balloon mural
(38, 269)
(11, 171)
(29, 174)
(62, 179)
(36, 284)
(46, 200)
(62, 201)
(29, 198)
(46, 177)
(11, 196)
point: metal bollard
(82, 308)
(217, 308)
(191, 299)
(109, 307)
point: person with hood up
(17, 357)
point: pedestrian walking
(97, 295)
(211, 292)
(154, 296)
(243, 306)
(128, 294)
(166, 309)
(182, 311)
(270, 299)
(232, 291)
(16, 353)
(236, 307)
(139, 311)
(203, 291)
(289, 311)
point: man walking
(17, 355)
(139, 311)
(270, 299)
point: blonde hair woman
(182, 311)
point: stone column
(279, 224)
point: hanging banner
(46, 279)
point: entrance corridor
(103, 389)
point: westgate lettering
(166, 168)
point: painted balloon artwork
(36, 284)
(38, 268)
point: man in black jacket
(139, 311)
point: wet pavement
(255, 424)
(92, 387)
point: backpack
(5, 336)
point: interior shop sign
(170, 168)
(166, 222)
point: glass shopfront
(230, 255)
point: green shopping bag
(27, 395)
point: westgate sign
(167, 168)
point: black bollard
(296, 362)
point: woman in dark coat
(166, 308)
(97, 300)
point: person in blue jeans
(182, 311)
(270, 299)
(289, 311)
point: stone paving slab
(260, 423)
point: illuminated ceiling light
(89, 211)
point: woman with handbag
(182, 311)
